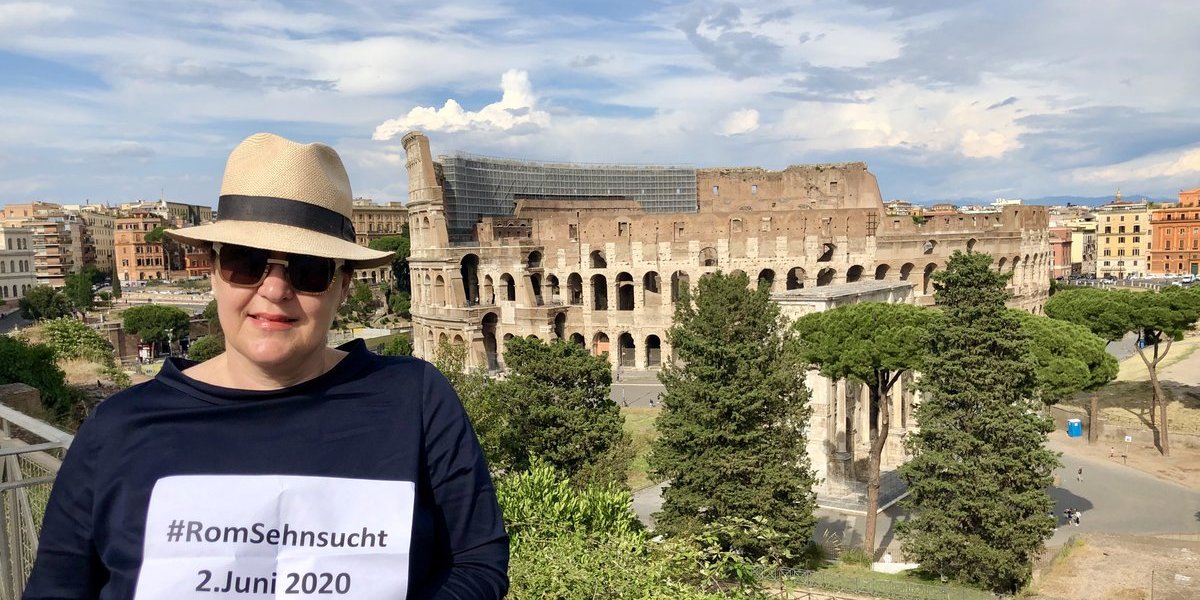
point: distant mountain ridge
(1052, 200)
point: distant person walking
(1079, 475)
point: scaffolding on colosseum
(478, 186)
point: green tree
(401, 345)
(116, 287)
(400, 304)
(206, 347)
(559, 408)
(34, 365)
(400, 245)
(156, 235)
(979, 469)
(44, 302)
(361, 304)
(78, 289)
(731, 432)
(1157, 318)
(1068, 359)
(873, 344)
(71, 338)
(487, 410)
(156, 323)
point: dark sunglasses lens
(310, 274)
(241, 265)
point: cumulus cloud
(515, 112)
(738, 122)
(723, 41)
(992, 144)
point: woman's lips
(272, 321)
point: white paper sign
(1128, 439)
(276, 536)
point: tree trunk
(1156, 396)
(879, 393)
(1094, 419)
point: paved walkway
(1112, 499)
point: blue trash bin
(1074, 427)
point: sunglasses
(245, 267)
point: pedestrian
(1079, 475)
(1112, 451)
(1076, 517)
(887, 557)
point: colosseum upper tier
(597, 254)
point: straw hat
(281, 195)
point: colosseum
(597, 254)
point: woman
(282, 466)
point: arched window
(766, 279)
(439, 291)
(626, 351)
(927, 279)
(854, 274)
(825, 276)
(708, 257)
(599, 292)
(510, 287)
(680, 283)
(906, 270)
(826, 252)
(575, 289)
(489, 324)
(624, 291)
(795, 278)
(598, 261)
(600, 343)
(651, 289)
(881, 272)
(469, 269)
(653, 351)
(560, 325)
(534, 260)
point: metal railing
(29, 461)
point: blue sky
(111, 102)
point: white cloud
(20, 16)
(992, 144)
(739, 122)
(516, 111)
(1183, 165)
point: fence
(27, 471)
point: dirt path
(1112, 567)
(1182, 467)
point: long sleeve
(465, 501)
(68, 565)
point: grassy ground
(860, 581)
(639, 423)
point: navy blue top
(370, 417)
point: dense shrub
(34, 365)
(206, 347)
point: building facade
(1175, 248)
(603, 272)
(1060, 250)
(1083, 246)
(1123, 239)
(137, 259)
(17, 273)
(101, 223)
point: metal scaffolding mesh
(478, 186)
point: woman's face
(272, 326)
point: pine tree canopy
(734, 412)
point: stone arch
(825, 276)
(766, 278)
(927, 278)
(560, 325)
(489, 292)
(971, 244)
(577, 339)
(708, 257)
(489, 323)
(599, 292)
(854, 274)
(906, 271)
(680, 283)
(439, 291)
(1000, 265)
(574, 289)
(535, 282)
(795, 278)
(443, 338)
(626, 350)
(651, 289)
(827, 250)
(653, 351)
(468, 267)
(929, 247)
(534, 260)
(624, 291)
(598, 261)
(458, 339)
(881, 272)
(600, 343)
(510, 287)
(552, 283)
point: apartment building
(1123, 238)
(1176, 236)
